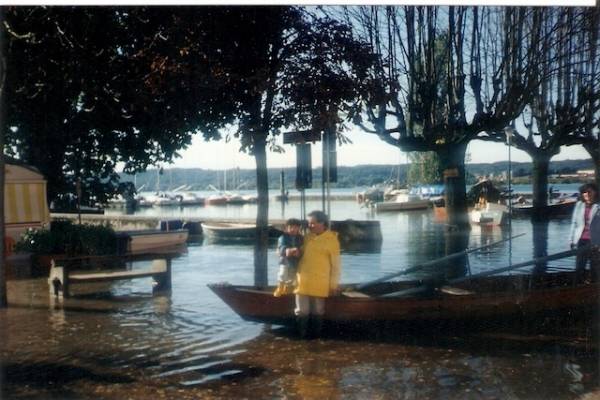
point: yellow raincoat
(319, 268)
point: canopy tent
(25, 204)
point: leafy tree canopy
(424, 168)
(90, 88)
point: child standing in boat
(288, 248)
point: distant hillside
(524, 168)
(356, 176)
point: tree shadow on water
(535, 335)
(51, 376)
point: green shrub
(65, 237)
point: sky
(304, 2)
(365, 149)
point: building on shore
(25, 203)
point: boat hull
(259, 305)
(228, 231)
(488, 217)
(403, 205)
(492, 214)
(557, 209)
(216, 200)
(144, 241)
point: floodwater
(189, 344)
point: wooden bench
(67, 271)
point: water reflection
(573, 372)
(310, 383)
(540, 245)
(57, 320)
(456, 242)
(484, 235)
(421, 243)
(161, 304)
(358, 247)
(191, 341)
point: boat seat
(455, 291)
(353, 293)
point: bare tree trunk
(456, 241)
(540, 244)
(3, 291)
(597, 169)
(593, 148)
(541, 166)
(452, 160)
(3, 63)
(262, 215)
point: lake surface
(189, 344)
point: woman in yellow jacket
(318, 273)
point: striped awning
(25, 203)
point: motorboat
(190, 199)
(143, 201)
(489, 214)
(216, 199)
(162, 199)
(557, 207)
(235, 198)
(404, 201)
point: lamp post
(509, 132)
(78, 193)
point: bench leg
(162, 280)
(58, 281)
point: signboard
(303, 167)
(300, 137)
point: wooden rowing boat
(232, 230)
(482, 299)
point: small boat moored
(404, 202)
(489, 214)
(216, 200)
(148, 240)
(473, 299)
(233, 231)
(496, 298)
(560, 207)
(190, 199)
